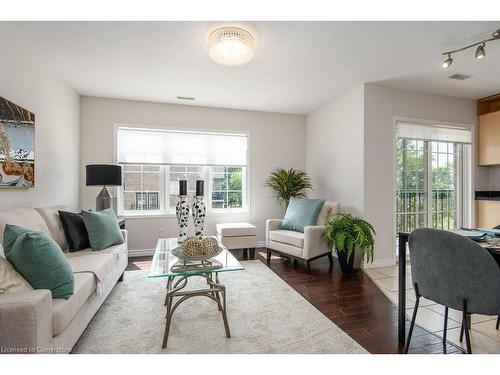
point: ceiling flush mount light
(230, 45)
(480, 51)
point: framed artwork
(17, 146)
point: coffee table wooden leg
(215, 294)
(169, 287)
(224, 315)
(169, 320)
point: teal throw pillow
(39, 259)
(103, 228)
(301, 213)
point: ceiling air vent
(460, 77)
(185, 97)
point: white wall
(334, 150)
(29, 84)
(276, 140)
(350, 151)
(382, 104)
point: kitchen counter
(487, 195)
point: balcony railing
(413, 210)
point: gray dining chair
(455, 272)
(498, 318)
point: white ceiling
(298, 66)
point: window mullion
(164, 193)
(430, 196)
(208, 184)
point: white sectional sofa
(33, 322)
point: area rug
(265, 316)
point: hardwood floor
(352, 302)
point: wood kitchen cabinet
(488, 146)
(487, 213)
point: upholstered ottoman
(238, 236)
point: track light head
(480, 52)
(446, 63)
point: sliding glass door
(432, 181)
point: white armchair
(306, 246)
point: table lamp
(104, 175)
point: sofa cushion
(27, 218)
(10, 280)
(74, 230)
(51, 217)
(236, 229)
(301, 213)
(103, 228)
(64, 310)
(289, 237)
(101, 263)
(39, 259)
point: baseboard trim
(140, 253)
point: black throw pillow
(74, 230)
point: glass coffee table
(166, 264)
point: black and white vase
(199, 211)
(182, 212)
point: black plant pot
(350, 265)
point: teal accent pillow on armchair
(103, 228)
(39, 259)
(301, 213)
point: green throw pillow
(301, 213)
(103, 228)
(39, 259)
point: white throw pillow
(10, 280)
(2, 254)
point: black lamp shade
(104, 174)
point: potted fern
(288, 183)
(352, 238)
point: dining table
(492, 246)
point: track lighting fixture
(480, 51)
(446, 63)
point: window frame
(164, 172)
(432, 152)
(467, 180)
(244, 199)
(119, 199)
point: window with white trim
(433, 177)
(141, 188)
(154, 161)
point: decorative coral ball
(210, 245)
(192, 247)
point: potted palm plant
(287, 183)
(352, 238)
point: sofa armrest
(124, 234)
(314, 243)
(272, 224)
(26, 322)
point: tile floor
(485, 338)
